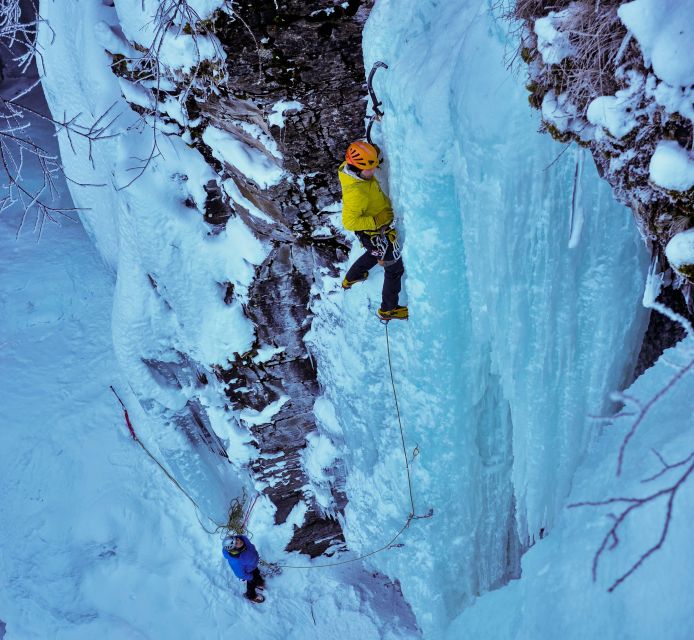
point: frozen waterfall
(514, 338)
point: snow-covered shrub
(168, 58)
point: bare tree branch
(18, 35)
(172, 19)
(639, 410)
(611, 540)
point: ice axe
(375, 102)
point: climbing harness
(375, 103)
(382, 241)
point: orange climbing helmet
(362, 154)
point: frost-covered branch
(17, 114)
(167, 77)
(611, 539)
(641, 409)
(17, 145)
(18, 36)
(40, 195)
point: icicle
(622, 48)
(654, 282)
(576, 217)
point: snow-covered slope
(524, 281)
(95, 542)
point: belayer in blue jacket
(243, 560)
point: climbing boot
(399, 313)
(347, 284)
(257, 599)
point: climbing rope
(248, 513)
(131, 429)
(411, 516)
(277, 566)
(402, 433)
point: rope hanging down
(277, 565)
(131, 429)
(402, 434)
(410, 517)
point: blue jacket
(245, 563)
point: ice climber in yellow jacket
(367, 211)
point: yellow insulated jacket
(364, 206)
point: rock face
(595, 85)
(284, 86)
(295, 71)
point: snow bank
(672, 166)
(253, 163)
(610, 113)
(184, 52)
(164, 24)
(559, 111)
(665, 33)
(253, 417)
(319, 458)
(276, 117)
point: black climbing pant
(254, 583)
(385, 248)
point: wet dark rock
(662, 332)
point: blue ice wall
(514, 338)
